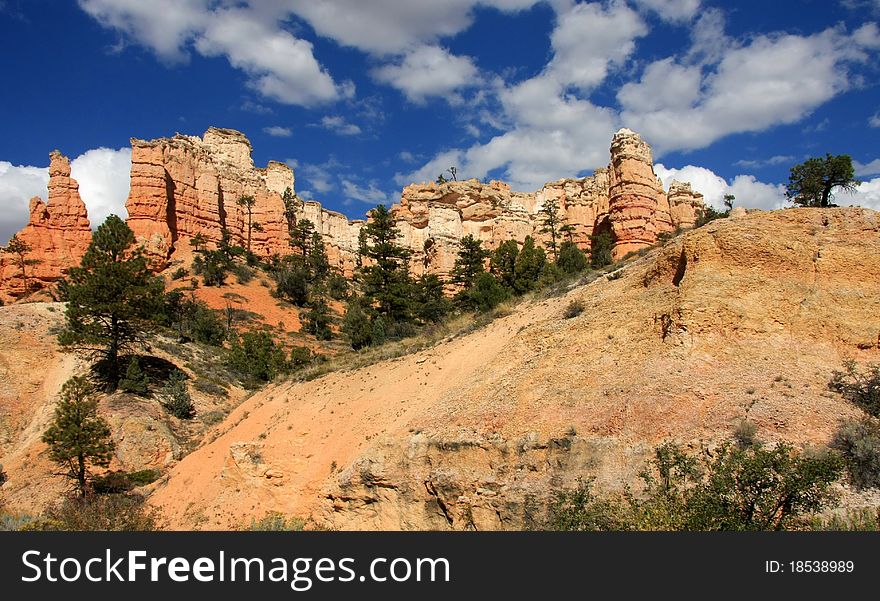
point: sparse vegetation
(859, 444)
(176, 398)
(738, 488)
(860, 386)
(573, 309)
(78, 437)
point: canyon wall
(57, 235)
(187, 186)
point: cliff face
(626, 199)
(57, 233)
(186, 186)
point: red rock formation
(57, 232)
(684, 204)
(185, 185)
(638, 208)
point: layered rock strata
(187, 186)
(57, 235)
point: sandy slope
(744, 318)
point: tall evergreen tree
(470, 262)
(356, 324)
(550, 224)
(319, 264)
(292, 204)
(430, 303)
(301, 236)
(317, 321)
(529, 265)
(504, 263)
(247, 202)
(571, 258)
(78, 437)
(111, 298)
(385, 278)
(600, 250)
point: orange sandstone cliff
(186, 186)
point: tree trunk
(81, 474)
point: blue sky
(365, 96)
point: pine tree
(356, 325)
(291, 205)
(571, 258)
(550, 224)
(431, 304)
(78, 437)
(176, 398)
(247, 202)
(111, 299)
(529, 265)
(600, 250)
(319, 264)
(504, 262)
(21, 249)
(318, 319)
(301, 236)
(386, 278)
(135, 381)
(470, 262)
(198, 242)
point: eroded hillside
(744, 318)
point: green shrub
(117, 482)
(486, 293)
(300, 356)
(317, 319)
(860, 387)
(277, 522)
(175, 397)
(179, 274)
(135, 381)
(859, 443)
(212, 265)
(753, 488)
(256, 358)
(356, 325)
(243, 273)
(579, 510)
(600, 250)
(571, 258)
(114, 512)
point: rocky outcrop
(185, 186)
(684, 204)
(625, 199)
(57, 233)
(638, 208)
(188, 186)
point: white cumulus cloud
(104, 182)
(104, 177)
(771, 80)
(278, 131)
(429, 71)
